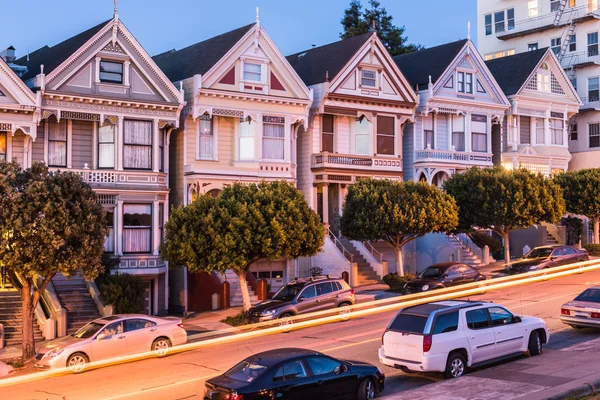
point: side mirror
(301, 299)
(100, 337)
(340, 368)
(517, 319)
(444, 277)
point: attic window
(368, 78)
(111, 72)
(252, 72)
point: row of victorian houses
(150, 133)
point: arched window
(543, 78)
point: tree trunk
(506, 236)
(399, 263)
(244, 289)
(596, 230)
(28, 345)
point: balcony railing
(101, 177)
(548, 21)
(276, 169)
(580, 59)
(353, 161)
(454, 157)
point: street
(181, 376)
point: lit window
(368, 78)
(499, 54)
(2, 146)
(510, 52)
(532, 46)
(252, 72)
(111, 72)
(488, 57)
(543, 79)
(532, 6)
(106, 146)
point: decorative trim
(114, 48)
(227, 113)
(47, 113)
(554, 114)
(5, 127)
(112, 119)
(339, 111)
(273, 120)
(101, 108)
(80, 116)
(163, 124)
(478, 118)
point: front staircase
(235, 291)
(550, 240)
(11, 316)
(468, 256)
(366, 274)
(74, 295)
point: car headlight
(269, 312)
(425, 288)
(54, 353)
(534, 268)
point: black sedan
(441, 275)
(547, 257)
(295, 374)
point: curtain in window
(246, 140)
(138, 145)
(327, 133)
(479, 142)
(106, 146)
(539, 131)
(362, 137)
(137, 228)
(2, 146)
(273, 141)
(205, 139)
(458, 141)
(57, 144)
(428, 132)
(556, 130)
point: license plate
(580, 314)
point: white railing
(353, 161)
(112, 177)
(349, 256)
(582, 57)
(454, 156)
(373, 250)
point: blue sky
(161, 25)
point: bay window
(386, 135)
(479, 133)
(556, 131)
(57, 144)
(252, 72)
(273, 138)
(327, 133)
(458, 132)
(137, 149)
(106, 146)
(246, 140)
(362, 137)
(3, 146)
(205, 138)
(137, 228)
(594, 134)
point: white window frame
(488, 28)
(369, 134)
(597, 125)
(593, 51)
(555, 44)
(597, 97)
(253, 125)
(214, 124)
(374, 79)
(468, 80)
(262, 79)
(279, 139)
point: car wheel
(77, 362)
(576, 327)
(455, 366)
(366, 390)
(285, 321)
(535, 344)
(161, 346)
(345, 310)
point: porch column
(155, 235)
(488, 136)
(120, 143)
(9, 155)
(95, 129)
(468, 140)
(70, 143)
(115, 230)
(315, 199)
(155, 147)
(326, 205)
(343, 191)
(166, 151)
(547, 133)
(119, 227)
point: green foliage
(397, 282)
(482, 239)
(316, 271)
(125, 292)
(574, 228)
(593, 249)
(356, 22)
(241, 319)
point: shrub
(125, 292)
(482, 239)
(593, 249)
(237, 320)
(397, 282)
(316, 271)
(574, 227)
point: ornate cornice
(102, 108)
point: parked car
(110, 337)
(451, 336)
(438, 276)
(583, 310)
(547, 257)
(303, 296)
(296, 374)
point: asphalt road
(181, 376)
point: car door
(307, 299)
(480, 335)
(469, 274)
(325, 296)
(571, 255)
(331, 381)
(109, 343)
(452, 276)
(140, 334)
(557, 258)
(292, 381)
(510, 335)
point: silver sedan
(110, 337)
(584, 310)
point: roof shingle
(511, 72)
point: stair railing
(369, 246)
(349, 256)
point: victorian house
(362, 103)
(107, 112)
(245, 107)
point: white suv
(449, 336)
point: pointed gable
(512, 72)
(12, 89)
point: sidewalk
(11, 352)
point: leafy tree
(582, 195)
(356, 22)
(396, 212)
(504, 200)
(51, 223)
(247, 223)
(127, 293)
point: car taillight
(564, 311)
(234, 396)
(352, 291)
(595, 315)
(427, 339)
(180, 325)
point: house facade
(245, 108)
(570, 28)
(361, 104)
(106, 112)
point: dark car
(438, 276)
(547, 257)
(296, 374)
(304, 296)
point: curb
(587, 389)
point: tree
(504, 200)
(396, 212)
(50, 223)
(582, 195)
(356, 22)
(247, 223)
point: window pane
(57, 130)
(246, 141)
(408, 323)
(479, 142)
(273, 149)
(446, 323)
(368, 78)
(385, 135)
(458, 141)
(57, 154)
(327, 142)
(137, 228)
(309, 292)
(137, 157)
(111, 72)
(252, 72)
(328, 123)
(594, 135)
(363, 137)
(106, 155)
(2, 146)
(385, 145)
(137, 215)
(205, 139)
(322, 365)
(428, 140)
(477, 319)
(138, 132)
(499, 21)
(499, 316)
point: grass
(237, 320)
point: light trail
(357, 310)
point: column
(343, 191)
(116, 211)
(488, 136)
(155, 235)
(547, 133)
(126, 65)
(119, 143)
(95, 145)
(70, 143)
(155, 147)
(9, 155)
(166, 151)
(315, 198)
(119, 227)
(326, 205)
(468, 140)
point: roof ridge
(248, 26)
(329, 44)
(429, 49)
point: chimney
(10, 55)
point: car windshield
(592, 295)
(432, 272)
(246, 371)
(287, 293)
(538, 253)
(88, 330)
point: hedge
(396, 282)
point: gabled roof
(315, 64)
(511, 72)
(52, 57)
(419, 65)
(198, 58)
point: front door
(480, 335)
(307, 299)
(113, 344)
(510, 335)
(325, 297)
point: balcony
(327, 160)
(590, 104)
(453, 157)
(548, 21)
(580, 59)
(125, 179)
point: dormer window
(368, 78)
(252, 72)
(465, 82)
(111, 72)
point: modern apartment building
(570, 28)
